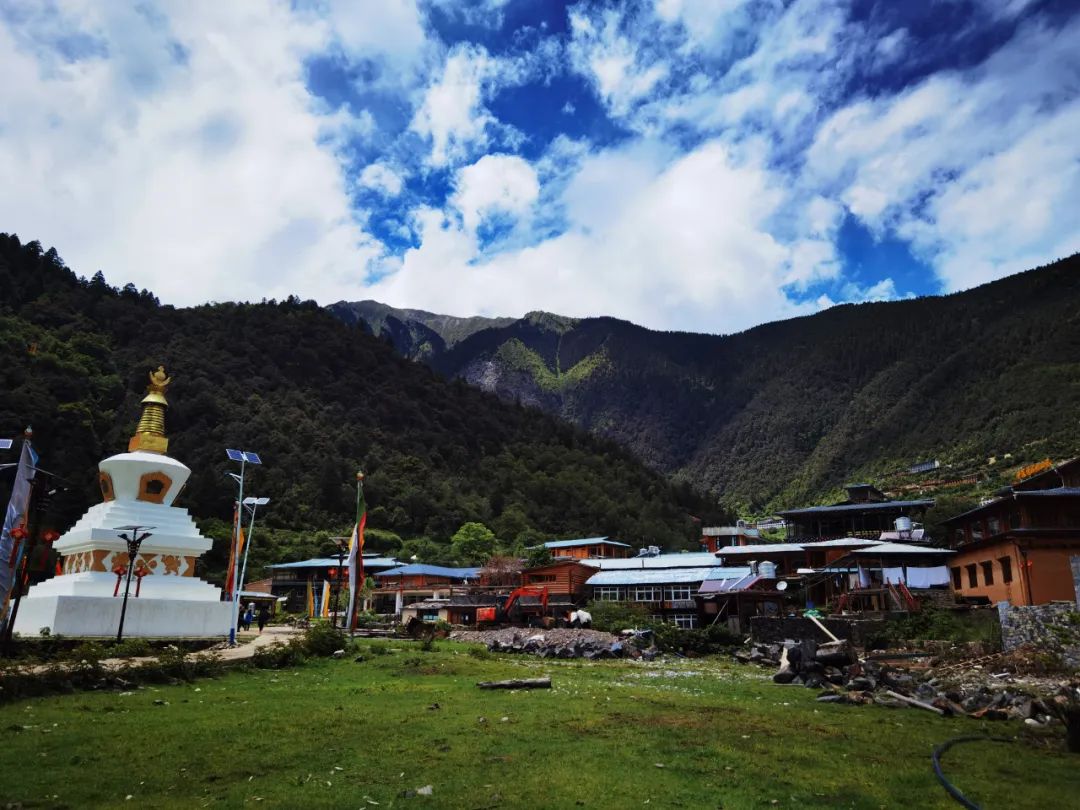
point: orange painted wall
(1049, 573)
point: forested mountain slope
(317, 399)
(784, 413)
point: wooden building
(1016, 547)
(401, 586)
(866, 512)
(564, 579)
(733, 601)
(589, 548)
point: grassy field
(693, 734)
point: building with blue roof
(589, 548)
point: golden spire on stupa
(150, 434)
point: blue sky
(685, 164)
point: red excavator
(508, 611)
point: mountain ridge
(783, 412)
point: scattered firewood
(519, 683)
(913, 702)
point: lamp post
(251, 504)
(133, 536)
(244, 457)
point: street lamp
(251, 504)
(244, 457)
(133, 536)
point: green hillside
(318, 399)
(785, 413)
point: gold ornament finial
(150, 434)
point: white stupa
(138, 488)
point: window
(606, 594)
(646, 593)
(1006, 568)
(687, 621)
(973, 577)
(957, 582)
(676, 592)
(1014, 520)
(541, 577)
(988, 572)
(994, 525)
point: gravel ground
(555, 636)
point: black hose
(950, 788)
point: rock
(785, 675)
(813, 681)
(337, 653)
(426, 790)
(861, 684)
(835, 653)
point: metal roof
(760, 548)
(711, 586)
(702, 559)
(419, 569)
(1057, 492)
(856, 507)
(842, 542)
(332, 562)
(664, 576)
(585, 541)
(899, 548)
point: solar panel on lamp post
(130, 535)
(5, 444)
(251, 504)
(244, 457)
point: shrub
(323, 640)
(615, 616)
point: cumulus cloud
(504, 184)
(976, 168)
(179, 153)
(381, 178)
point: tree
(501, 569)
(538, 556)
(473, 543)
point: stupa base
(99, 616)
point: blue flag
(10, 551)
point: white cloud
(978, 169)
(452, 113)
(615, 63)
(381, 178)
(686, 246)
(181, 154)
(504, 184)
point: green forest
(318, 399)
(784, 414)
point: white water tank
(767, 569)
(903, 524)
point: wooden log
(521, 683)
(913, 702)
(824, 629)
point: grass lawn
(696, 734)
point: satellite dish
(781, 585)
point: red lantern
(332, 573)
(50, 536)
(19, 533)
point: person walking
(264, 616)
(249, 617)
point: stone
(785, 675)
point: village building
(565, 581)
(713, 538)
(293, 580)
(398, 587)
(589, 548)
(1016, 547)
(865, 513)
(731, 600)
(666, 584)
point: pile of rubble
(562, 643)
(949, 690)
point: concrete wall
(100, 616)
